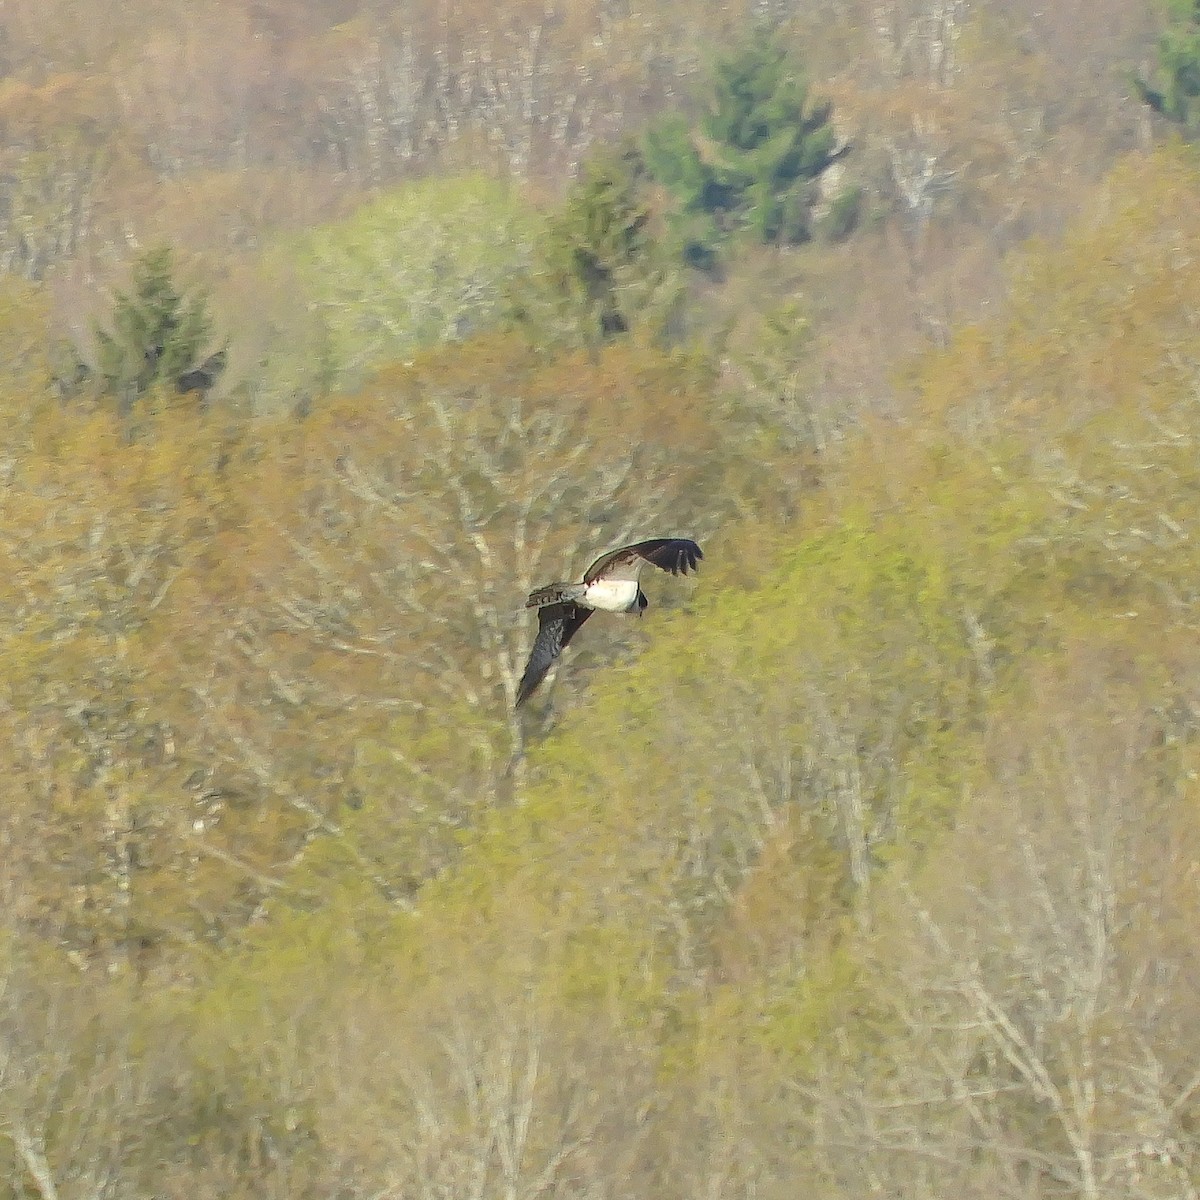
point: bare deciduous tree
(1039, 995)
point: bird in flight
(610, 584)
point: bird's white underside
(611, 595)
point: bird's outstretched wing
(677, 555)
(557, 625)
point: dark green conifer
(602, 271)
(597, 238)
(1175, 91)
(763, 146)
(156, 335)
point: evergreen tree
(770, 144)
(764, 145)
(599, 234)
(601, 268)
(1176, 91)
(672, 158)
(156, 336)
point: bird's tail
(555, 593)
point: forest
(866, 864)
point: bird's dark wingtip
(689, 558)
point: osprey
(610, 584)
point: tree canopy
(764, 143)
(1175, 90)
(157, 335)
(863, 864)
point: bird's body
(612, 595)
(610, 584)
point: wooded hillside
(864, 865)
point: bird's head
(641, 602)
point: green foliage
(426, 263)
(770, 141)
(156, 333)
(875, 841)
(1175, 90)
(601, 268)
(673, 160)
(764, 144)
(842, 216)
